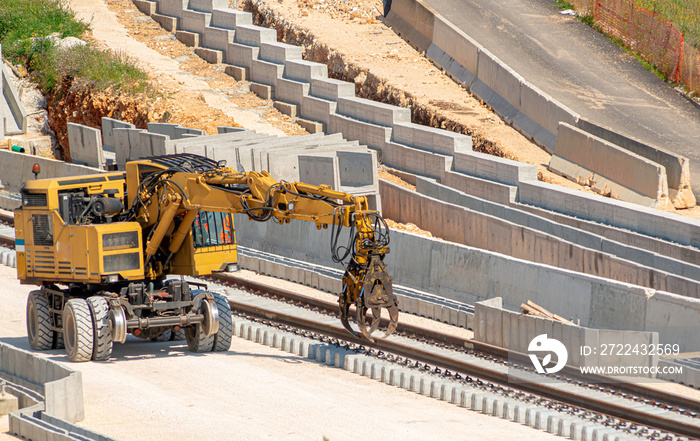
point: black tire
(102, 338)
(178, 335)
(39, 333)
(196, 340)
(77, 330)
(167, 335)
(222, 339)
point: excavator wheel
(222, 339)
(102, 342)
(77, 330)
(196, 335)
(39, 330)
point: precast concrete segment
(230, 18)
(430, 138)
(16, 169)
(279, 53)
(266, 72)
(172, 8)
(194, 21)
(613, 213)
(85, 145)
(481, 188)
(108, 126)
(62, 386)
(677, 166)
(416, 161)
(496, 233)
(317, 109)
(331, 89)
(146, 7)
(371, 135)
(514, 331)
(630, 177)
(304, 70)
(482, 165)
(372, 111)
(319, 170)
(173, 131)
(290, 91)
(544, 225)
(252, 35)
(454, 51)
(216, 38)
(498, 85)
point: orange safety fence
(653, 36)
(644, 31)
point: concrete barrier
(607, 168)
(455, 51)
(133, 144)
(497, 169)
(677, 167)
(85, 145)
(414, 20)
(13, 117)
(60, 387)
(540, 114)
(430, 139)
(498, 85)
(514, 331)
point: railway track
(635, 409)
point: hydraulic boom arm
(163, 191)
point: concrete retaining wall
(672, 264)
(618, 214)
(495, 233)
(514, 331)
(608, 168)
(468, 275)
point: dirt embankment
(83, 103)
(367, 85)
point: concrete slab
(276, 52)
(331, 89)
(291, 91)
(430, 138)
(217, 38)
(265, 72)
(252, 35)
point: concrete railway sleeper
(89, 320)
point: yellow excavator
(100, 247)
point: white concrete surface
(160, 391)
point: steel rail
(424, 356)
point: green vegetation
(685, 14)
(25, 27)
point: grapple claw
(368, 290)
